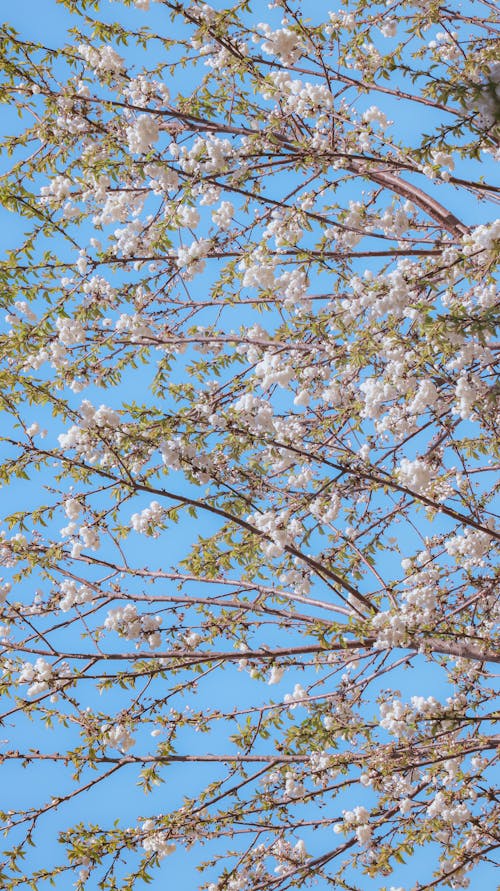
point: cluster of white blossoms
(364, 58)
(142, 91)
(445, 46)
(22, 307)
(469, 548)
(191, 259)
(275, 675)
(7, 557)
(322, 771)
(293, 285)
(155, 841)
(57, 191)
(207, 155)
(398, 718)
(415, 475)
(395, 221)
(293, 786)
(131, 625)
(389, 28)
(284, 229)
(176, 453)
(188, 216)
(135, 327)
(274, 368)
(42, 676)
(163, 178)
(74, 594)
(102, 60)
(354, 225)
(258, 270)
(299, 579)
(299, 697)
(5, 589)
(392, 627)
(284, 43)
(455, 813)
(307, 99)
(98, 290)
(148, 520)
(483, 238)
(82, 442)
(356, 819)
(70, 331)
(89, 535)
(326, 509)
(426, 396)
(376, 393)
(117, 736)
(90, 538)
(118, 205)
(172, 452)
(223, 216)
(203, 11)
(256, 413)
(276, 527)
(98, 417)
(374, 115)
(288, 856)
(395, 717)
(191, 639)
(299, 97)
(487, 102)
(142, 134)
(133, 240)
(391, 294)
(82, 439)
(254, 873)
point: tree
(248, 366)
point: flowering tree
(249, 408)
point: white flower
(70, 331)
(298, 697)
(148, 520)
(188, 216)
(389, 28)
(364, 834)
(129, 624)
(192, 639)
(373, 115)
(142, 134)
(275, 675)
(359, 814)
(118, 737)
(284, 43)
(155, 841)
(415, 475)
(223, 216)
(90, 537)
(469, 549)
(102, 59)
(300, 849)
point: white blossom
(142, 134)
